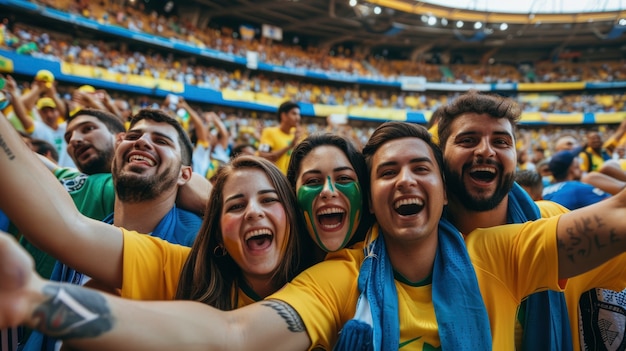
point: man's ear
(119, 137)
(185, 175)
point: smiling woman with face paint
(326, 172)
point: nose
(328, 189)
(254, 211)
(76, 138)
(143, 142)
(484, 149)
(405, 178)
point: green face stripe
(352, 191)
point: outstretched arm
(92, 320)
(591, 235)
(44, 212)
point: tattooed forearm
(587, 235)
(73, 312)
(291, 317)
(6, 149)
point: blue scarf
(543, 315)
(459, 307)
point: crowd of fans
(117, 57)
(40, 107)
(124, 59)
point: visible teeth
(258, 232)
(331, 226)
(329, 211)
(141, 158)
(484, 169)
(411, 201)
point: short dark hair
(474, 101)
(158, 115)
(238, 149)
(389, 131)
(112, 122)
(560, 163)
(43, 147)
(286, 107)
(528, 178)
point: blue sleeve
(591, 196)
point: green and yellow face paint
(307, 195)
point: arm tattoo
(73, 312)
(291, 317)
(583, 238)
(6, 149)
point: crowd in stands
(121, 58)
(245, 127)
(118, 58)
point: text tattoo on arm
(288, 314)
(583, 239)
(6, 149)
(73, 312)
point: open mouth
(141, 159)
(259, 239)
(330, 218)
(483, 174)
(408, 207)
(81, 152)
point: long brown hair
(211, 278)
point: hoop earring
(219, 251)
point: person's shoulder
(550, 208)
(348, 254)
(134, 240)
(188, 218)
(553, 189)
(66, 172)
(586, 188)
(270, 130)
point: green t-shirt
(93, 195)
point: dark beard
(102, 164)
(133, 188)
(456, 189)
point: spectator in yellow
(593, 156)
(278, 142)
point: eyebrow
(413, 160)
(70, 130)
(240, 195)
(497, 132)
(143, 131)
(338, 169)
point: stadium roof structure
(594, 30)
(534, 6)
